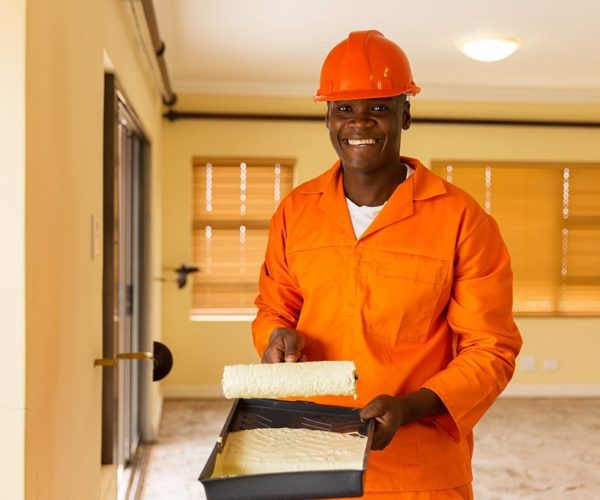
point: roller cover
(311, 378)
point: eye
(343, 108)
(380, 107)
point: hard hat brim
(352, 95)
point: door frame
(115, 102)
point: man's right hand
(285, 345)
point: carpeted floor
(534, 449)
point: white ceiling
(276, 47)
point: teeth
(360, 142)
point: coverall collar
(422, 185)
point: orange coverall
(422, 299)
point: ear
(406, 118)
(327, 114)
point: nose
(362, 119)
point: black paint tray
(260, 413)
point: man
(382, 262)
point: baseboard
(192, 392)
(512, 391)
(552, 391)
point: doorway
(126, 384)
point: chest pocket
(403, 298)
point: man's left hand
(390, 412)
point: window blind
(233, 201)
(549, 216)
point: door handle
(123, 356)
(161, 357)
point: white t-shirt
(363, 216)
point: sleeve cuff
(446, 422)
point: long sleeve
(279, 300)
(487, 340)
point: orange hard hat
(366, 65)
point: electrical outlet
(527, 363)
(550, 365)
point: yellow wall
(201, 349)
(66, 41)
(64, 175)
(12, 250)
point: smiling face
(366, 132)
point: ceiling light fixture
(488, 49)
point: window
(233, 201)
(549, 215)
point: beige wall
(64, 175)
(66, 41)
(201, 349)
(12, 250)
